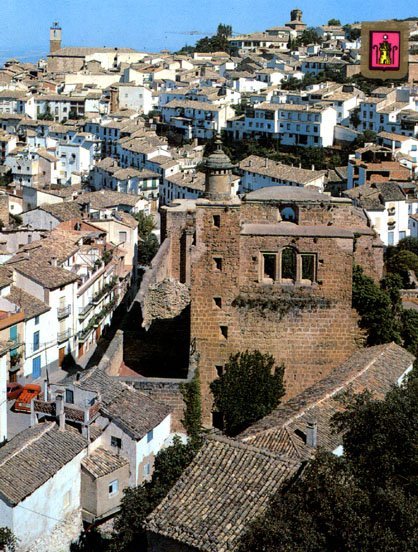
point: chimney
(45, 390)
(266, 162)
(313, 167)
(54, 261)
(59, 409)
(311, 434)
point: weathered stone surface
(60, 538)
(165, 299)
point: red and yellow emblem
(384, 49)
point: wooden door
(61, 355)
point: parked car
(29, 392)
(13, 390)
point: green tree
(402, 262)
(365, 500)
(351, 34)
(146, 224)
(217, 42)
(375, 309)
(308, 36)
(408, 244)
(409, 333)
(148, 248)
(250, 387)
(334, 22)
(137, 503)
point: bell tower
(296, 15)
(218, 168)
(55, 37)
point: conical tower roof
(218, 160)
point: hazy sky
(156, 24)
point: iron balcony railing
(63, 312)
(63, 336)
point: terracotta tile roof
(107, 198)
(28, 303)
(34, 456)
(273, 169)
(373, 196)
(201, 106)
(82, 52)
(50, 277)
(184, 180)
(134, 412)
(67, 210)
(225, 488)
(376, 369)
(103, 462)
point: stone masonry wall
(311, 328)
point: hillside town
(244, 208)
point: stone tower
(296, 15)
(218, 168)
(55, 37)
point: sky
(152, 25)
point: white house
(386, 206)
(40, 483)
(196, 119)
(302, 125)
(136, 97)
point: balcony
(63, 312)
(63, 336)
(85, 310)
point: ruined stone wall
(113, 357)
(160, 295)
(311, 328)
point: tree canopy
(377, 312)
(334, 22)
(249, 388)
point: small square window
(216, 221)
(113, 487)
(146, 470)
(218, 302)
(224, 331)
(219, 370)
(36, 321)
(116, 442)
(217, 263)
(150, 435)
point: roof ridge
(49, 426)
(341, 386)
(251, 448)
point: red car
(13, 390)
(29, 392)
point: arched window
(288, 264)
(288, 214)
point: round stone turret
(218, 168)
